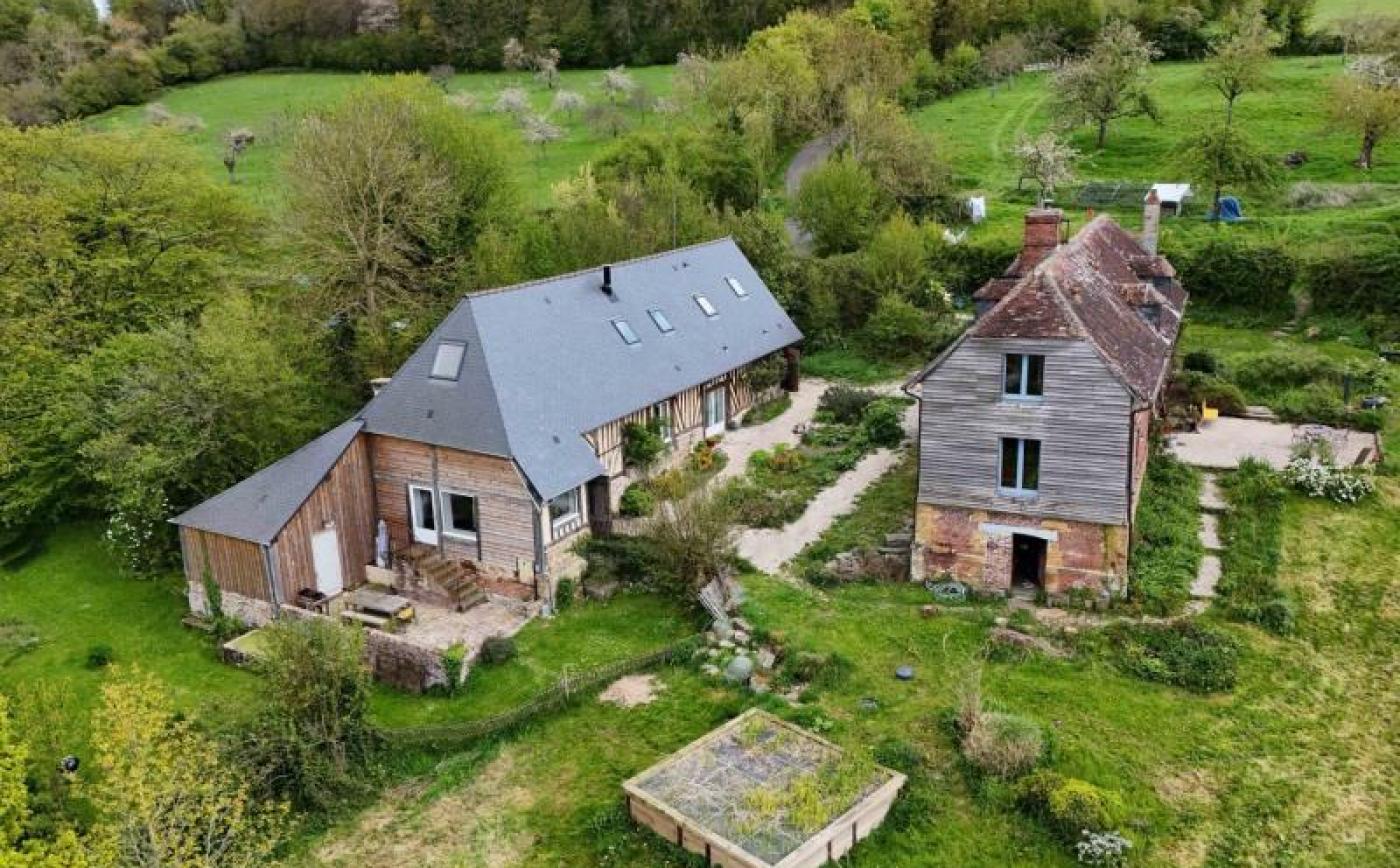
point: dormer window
(736, 287)
(447, 362)
(1024, 376)
(705, 305)
(624, 330)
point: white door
(325, 554)
(422, 507)
(715, 412)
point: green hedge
(1166, 547)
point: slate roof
(257, 508)
(1090, 289)
(545, 364)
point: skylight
(662, 323)
(447, 363)
(738, 287)
(705, 305)
(624, 329)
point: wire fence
(564, 692)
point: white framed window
(447, 361)
(1020, 466)
(564, 509)
(716, 411)
(736, 287)
(459, 515)
(705, 305)
(661, 412)
(1023, 375)
(423, 513)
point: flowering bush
(1315, 478)
(1102, 848)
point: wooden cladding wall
(505, 510)
(1082, 422)
(345, 498)
(235, 565)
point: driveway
(1224, 442)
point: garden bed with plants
(1167, 548)
(759, 791)
(780, 482)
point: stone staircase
(1211, 505)
(439, 581)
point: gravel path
(812, 154)
(769, 550)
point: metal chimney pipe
(607, 280)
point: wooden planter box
(697, 798)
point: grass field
(1327, 11)
(978, 129)
(270, 104)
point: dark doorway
(1027, 562)
(600, 505)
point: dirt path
(739, 445)
(812, 154)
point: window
(564, 508)
(737, 287)
(420, 504)
(1025, 375)
(663, 325)
(624, 328)
(661, 412)
(458, 514)
(447, 363)
(705, 305)
(1020, 465)
(716, 411)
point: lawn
(74, 598)
(1327, 11)
(270, 103)
(978, 129)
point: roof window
(624, 329)
(737, 287)
(705, 305)
(662, 323)
(447, 363)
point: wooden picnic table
(379, 603)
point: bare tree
(540, 130)
(618, 83)
(1366, 100)
(1047, 160)
(440, 74)
(513, 56)
(605, 118)
(512, 101)
(694, 542)
(546, 65)
(236, 141)
(1004, 57)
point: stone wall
(392, 659)
(975, 546)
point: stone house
(1034, 424)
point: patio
(1223, 443)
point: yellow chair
(1209, 413)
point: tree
(540, 130)
(1366, 100)
(1047, 160)
(166, 794)
(64, 850)
(618, 84)
(513, 55)
(1004, 58)
(1219, 156)
(1239, 58)
(694, 542)
(1110, 82)
(605, 118)
(546, 66)
(512, 101)
(840, 205)
(236, 141)
(312, 741)
(568, 102)
(899, 157)
(388, 188)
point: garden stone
(710, 669)
(739, 670)
(726, 644)
(741, 637)
(904, 673)
(713, 652)
(723, 629)
(766, 659)
(759, 684)
(1001, 621)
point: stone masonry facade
(975, 547)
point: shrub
(1102, 848)
(765, 373)
(1004, 745)
(637, 501)
(898, 330)
(692, 544)
(1201, 361)
(642, 443)
(706, 457)
(497, 649)
(1228, 273)
(1215, 391)
(845, 404)
(768, 410)
(454, 664)
(1316, 478)
(882, 425)
(632, 560)
(1184, 653)
(1167, 547)
(100, 656)
(1069, 806)
(818, 669)
(564, 594)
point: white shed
(1172, 196)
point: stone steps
(1212, 503)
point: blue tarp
(1229, 211)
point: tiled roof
(1095, 288)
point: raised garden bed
(762, 793)
(246, 649)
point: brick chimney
(1151, 216)
(1042, 236)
